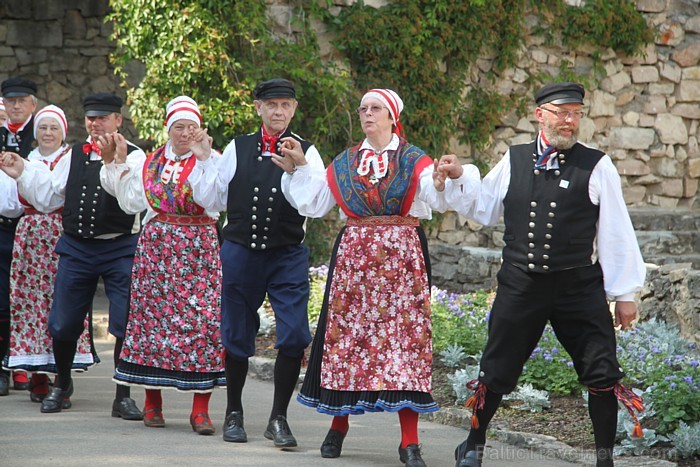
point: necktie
(270, 143)
(541, 163)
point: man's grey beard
(559, 141)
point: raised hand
(122, 148)
(449, 165)
(12, 164)
(200, 144)
(438, 177)
(107, 147)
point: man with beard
(569, 249)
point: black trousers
(574, 302)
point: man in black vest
(262, 254)
(569, 249)
(16, 136)
(99, 241)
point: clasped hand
(12, 164)
(447, 167)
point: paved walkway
(87, 435)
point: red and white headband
(53, 112)
(182, 108)
(392, 101)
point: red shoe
(21, 382)
(201, 423)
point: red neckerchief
(14, 127)
(270, 141)
(91, 146)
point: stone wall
(64, 46)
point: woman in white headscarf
(173, 337)
(373, 346)
(33, 270)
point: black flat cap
(277, 87)
(560, 93)
(17, 87)
(102, 103)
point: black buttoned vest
(25, 137)
(89, 211)
(550, 222)
(259, 216)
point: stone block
(616, 82)
(632, 167)
(686, 111)
(671, 72)
(524, 125)
(8, 64)
(645, 74)
(692, 72)
(30, 56)
(7, 52)
(647, 180)
(601, 104)
(665, 167)
(693, 24)
(651, 6)
(3, 33)
(671, 34)
(57, 92)
(539, 56)
(646, 121)
(48, 9)
(634, 194)
(661, 89)
(671, 188)
(664, 202)
(90, 8)
(624, 98)
(31, 34)
(631, 138)
(690, 187)
(630, 119)
(586, 129)
(74, 26)
(687, 56)
(655, 105)
(688, 91)
(15, 9)
(671, 129)
(694, 168)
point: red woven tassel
(476, 401)
(475, 422)
(632, 402)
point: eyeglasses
(363, 109)
(564, 114)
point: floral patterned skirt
(34, 265)
(173, 334)
(373, 345)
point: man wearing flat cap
(263, 253)
(98, 241)
(569, 249)
(16, 136)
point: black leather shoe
(126, 409)
(410, 455)
(4, 384)
(333, 444)
(278, 431)
(467, 458)
(57, 400)
(233, 428)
